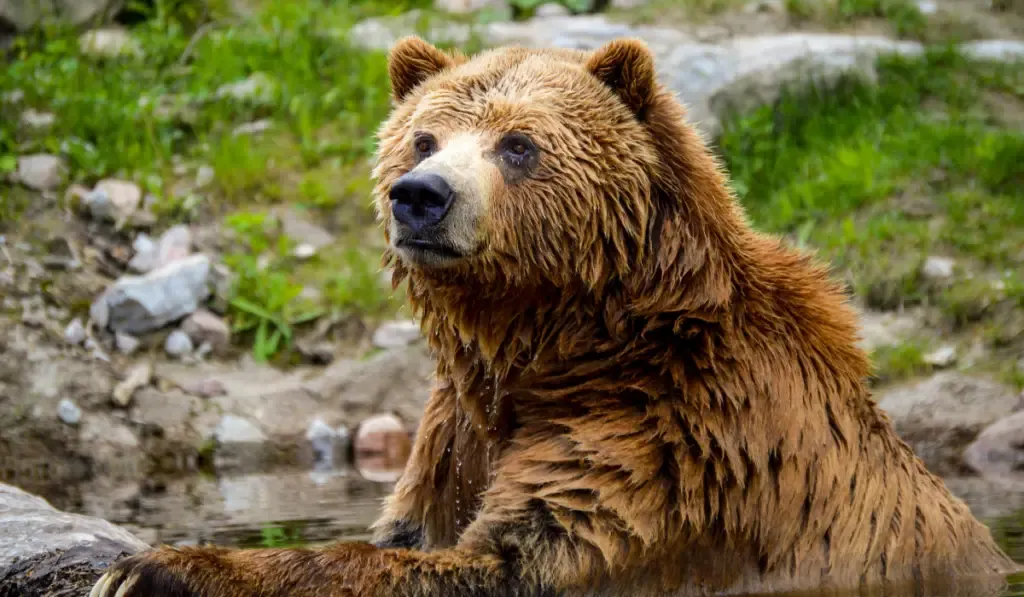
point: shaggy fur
(636, 393)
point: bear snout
(421, 200)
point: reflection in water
(292, 506)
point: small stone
(938, 268)
(204, 176)
(37, 120)
(550, 9)
(203, 327)
(468, 6)
(113, 200)
(175, 244)
(253, 128)
(68, 412)
(206, 388)
(927, 7)
(13, 97)
(296, 225)
(396, 334)
(942, 357)
(61, 255)
(99, 313)
(41, 172)
(235, 430)
(138, 377)
(145, 258)
(126, 343)
(109, 43)
(304, 251)
(256, 88)
(178, 344)
(74, 334)
(628, 4)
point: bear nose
(420, 200)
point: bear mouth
(427, 251)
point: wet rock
(126, 343)
(940, 416)
(258, 88)
(113, 200)
(938, 268)
(109, 43)
(41, 172)
(178, 344)
(37, 120)
(382, 434)
(999, 450)
(68, 412)
(942, 357)
(233, 429)
(49, 552)
(140, 304)
(74, 333)
(137, 377)
(203, 327)
(395, 334)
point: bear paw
(145, 575)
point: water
(299, 506)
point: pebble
(113, 200)
(34, 119)
(257, 87)
(41, 172)
(938, 268)
(68, 412)
(145, 256)
(206, 388)
(74, 334)
(942, 357)
(252, 128)
(109, 43)
(138, 377)
(203, 327)
(204, 176)
(304, 251)
(396, 334)
(178, 344)
(175, 243)
(550, 9)
(126, 343)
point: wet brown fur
(637, 394)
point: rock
(394, 334)
(927, 7)
(74, 334)
(1005, 50)
(41, 172)
(382, 435)
(938, 268)
(297, 226)
(550, 9)
(61, 255)
(258, 88)
(304, 251)
(49, 552)
(68, 412)
(126, 343)
(15, 96)
(322, 437)
(140, 304)
(252, 128)
(467, 6)
(236, 430)
(206, 388)
(175, 243)
(145, 257)
(138, 377)
(883, 329)
(37, 120)
(998, 451)
(204, 176)
(113, 200)
(28, 14)
(222, 279)
(109, 43)
(714, 80)
(178, 344)
(938, 417)
(204, 327)
(941, 357)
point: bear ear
(626, 66)
(412, 61)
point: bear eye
(517, 148)
(425, 145)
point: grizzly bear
(637, 394)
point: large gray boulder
(48, 552)
(26, 14)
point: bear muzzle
(420, 202)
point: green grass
(878, 177)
